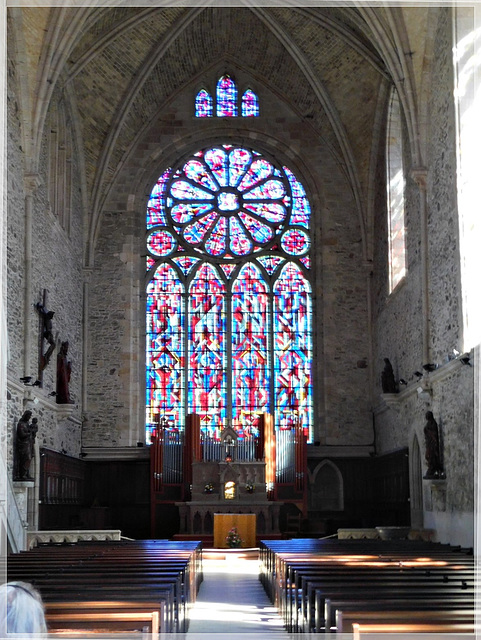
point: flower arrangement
(209, 488)
(233, 539)
(250, 487)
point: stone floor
(231, 599)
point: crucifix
(45, 333)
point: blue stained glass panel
(301, 210)
(217, 160)
(207, 350)
(239, 160)
(259, 170)
(164, 348)
(184, 212)
(271, 189)
(295, 242)
(250, 104)
(260, 232)
(185, 263)
(161, 243)
(195, 170)
(204, 104)
(183, 190)
(194, 233)
(226, 97)
(270, 263)
(292, 350)
(239, 242)
(250, 349)
(217, 241)
(271, 211)
(156, 204)
(228, 269)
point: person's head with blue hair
(21, 610)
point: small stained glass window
(226, 97)
(204, 107)
(250, 104)
(226, 101)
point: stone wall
(398, 321)
(116, 321)
(51, 261)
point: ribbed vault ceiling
(122, 66)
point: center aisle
(231, 598)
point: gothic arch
(326, 487)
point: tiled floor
(231, 600)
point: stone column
(419, 176)
(32, 182)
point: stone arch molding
(326, 487)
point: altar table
(245, 524)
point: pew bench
(346, 619)
(447, 595)
(359, 631)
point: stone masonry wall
(56, 266)
(398, 319)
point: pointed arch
(226, 95)
(327, 487)
(204, 104)
(249, 104)
(232, 228)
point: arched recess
(416, 481)
(326, 488)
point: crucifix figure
(46, 332)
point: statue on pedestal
(25, 445)
(433, 452)
(64, 369)
(388, 382)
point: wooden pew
(63, 610)
(346, 620)
(168, 571)
(301, 576)
(318, 592)
(341, 605)
(361, 630)
(105, 622)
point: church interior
(238, 273)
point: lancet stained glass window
(229, 314)
(250, 104)
(227, 97)
(204, 106)
(395, 193)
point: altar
(249, 478)
(245, 523)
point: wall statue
(388, 382)
(433, 450)
(64, 369)
(25, 445)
